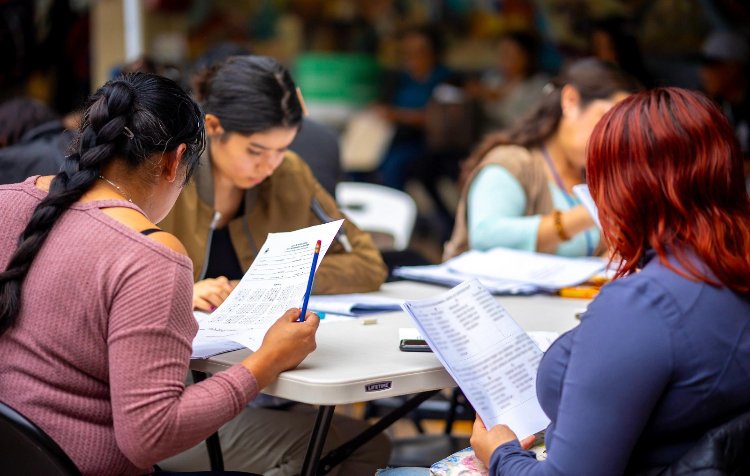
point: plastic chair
(723, 450)
(26, 449)
(379, 209)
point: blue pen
(303, 311)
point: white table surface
(355, 362)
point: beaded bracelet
(557, 219)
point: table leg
(213, 444)
(317, 440)
(339, 454)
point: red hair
(665, 170)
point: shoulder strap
(149, 231)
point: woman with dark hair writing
(249, 184)
(516, 186)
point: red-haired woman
(663, 354)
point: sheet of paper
(443, 275)
(275, 282)
(354, 304)
(584, 195)
(486, 352)
(409, 333)
(205, 346)
(543, 339)
(543, 270)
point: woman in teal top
(517, 185)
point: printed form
(275, 282)
(486, 352)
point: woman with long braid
(96, 317)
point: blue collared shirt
(657, 361)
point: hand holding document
(486, 352)
(275, 282)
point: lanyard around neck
(568, 198)
(556, 176)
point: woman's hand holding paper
(284, 346)
(485, 441)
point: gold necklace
(119, 190)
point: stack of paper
(354, 304)
(442, 274)
(545, 271)
(507, 271)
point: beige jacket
(280, 203)
(527, 167)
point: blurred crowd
(435, 110)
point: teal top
(496, 204)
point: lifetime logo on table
(378, 386)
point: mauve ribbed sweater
(100, 350)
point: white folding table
(354, 362)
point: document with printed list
(275, 282)
(486, 352)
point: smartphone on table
(414, 345)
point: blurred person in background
(517, 184)
(405, 100)
(33, 141)
(509, 92)
(612, 40)
(725, 79)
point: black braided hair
(250, 94)
(130, 118)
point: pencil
(579, 292)
(303, 311)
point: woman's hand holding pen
(208, 294)
(284, 346)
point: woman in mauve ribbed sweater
(96, 319)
